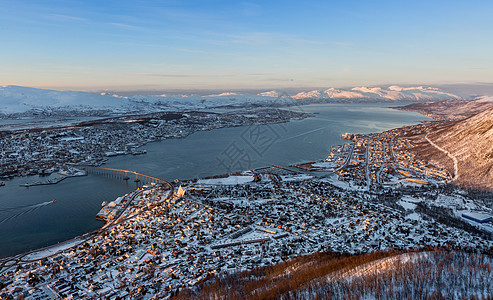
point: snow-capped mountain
(270, 94)
(17, 100)
(392, 93)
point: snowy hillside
(470, 142)
(377, 275)
(452, 109)
(19, 100)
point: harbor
(196, 156)
(67, 173)
(112, 210)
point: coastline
(345, 211)
(271, 123)
(79, 173)
(151, 131)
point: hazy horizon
(472, 89)
(155, 45)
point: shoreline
(156, 127)
(84, 237)
(346, 212)
(54, 180)
(228, 127)
(75, 241)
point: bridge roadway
(124, 174)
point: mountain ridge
(19, 100)
(470, 142)
(463, 147)
(451, 109)
(391, 93)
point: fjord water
(29, 219)
(224, 150)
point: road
(348, 158)
(382, 165)
(367, 153)
(454, 159)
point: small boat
(53, 201)
(2, 183)
(138, 152)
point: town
(372, 193)
(163, 238)
(50, 150)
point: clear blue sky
(106, 44)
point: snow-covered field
(230, 180)
(43, 253)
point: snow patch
(222, 94)
(269, 94)
(231, 180)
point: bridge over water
(137, 177)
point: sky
(150, 44)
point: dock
(55, 180)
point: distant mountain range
(392, 93)
(17, 100)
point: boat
(53, 201)
(138, 152)
(2, 183)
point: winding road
(454, 159)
